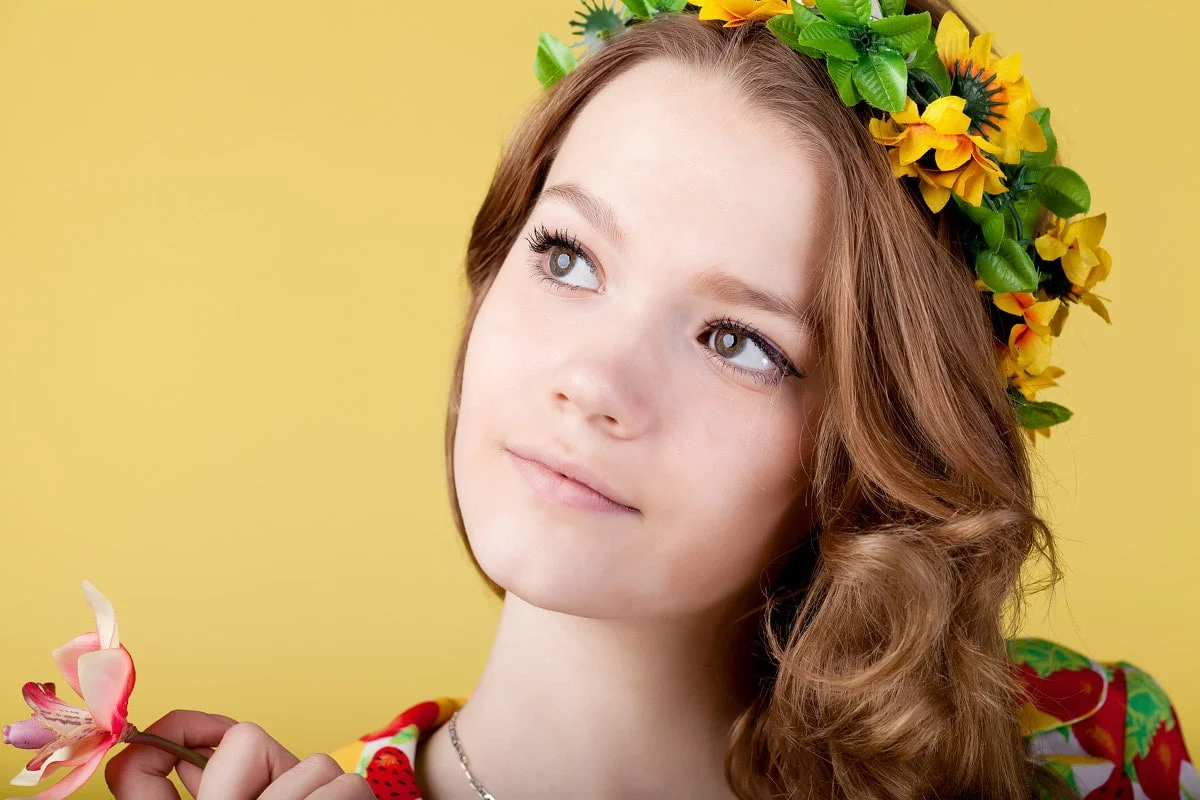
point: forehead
(687, 163)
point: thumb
(139, 771)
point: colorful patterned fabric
(1107, 727)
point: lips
(573, 471)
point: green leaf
(803, 15)
(846, 12)
(639, 8)
(926, 60)
(1063, 191)
(787, 31)
(554, 59)
(1028, 208)
(668, 5)
(1046, 157)
(990, 222)
(1044, 656)
(882, 77)
(841, 71)
(1033, 414)
(891, 8)
(405, 734)
(904, 33)
(1008, 269)
(1147, 707)
(830, 39)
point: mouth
(563, 489)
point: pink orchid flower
(100, 670)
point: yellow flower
(1037, 314)
(1084, 261)
(739, 12)
(999, 97)
(1029, 385)
(1030, 350)
(942, 127)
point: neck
(585, 708)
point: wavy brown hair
(878, 667)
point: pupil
(561, 264)
(726, 342)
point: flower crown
(965, 127)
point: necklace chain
(462, 759)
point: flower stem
(171, 747)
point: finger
(139, 771)
(347, 786)
(247, 761)
(188, 772)
(303, 779)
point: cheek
(740, 496)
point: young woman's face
(640, 356)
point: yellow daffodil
(739, 12)
(958, 154)
(1037, 314)
(1084, 261)
(999, 96)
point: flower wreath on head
(965, 127)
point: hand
(247, 765)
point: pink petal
(67, 657)
(106, 618)
(70, 756)
(72, 782)
(80, 734)
(52, 711)
(29, 734)
(107, 677)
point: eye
(733, 344)
(738, 347)
(565, 253)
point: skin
(608, 675)
(610, 671)
(249, 764)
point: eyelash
(542, 240)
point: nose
(604, 380)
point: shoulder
(1105, 726)
(385, 756)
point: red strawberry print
(1065, 694)
(1117, 785)
(424, 715)
(1103, 733)
(390, 774)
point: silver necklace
(462, 759)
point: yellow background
(231, 238)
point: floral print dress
(1107, 727)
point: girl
(726, 436)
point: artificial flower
(1085, 262)
(999, 96)
(1037, 314)
(100, 670)
(1030, 349)
(739, 12)
(959, 155)
(1028, 385)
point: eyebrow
(717, 285)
